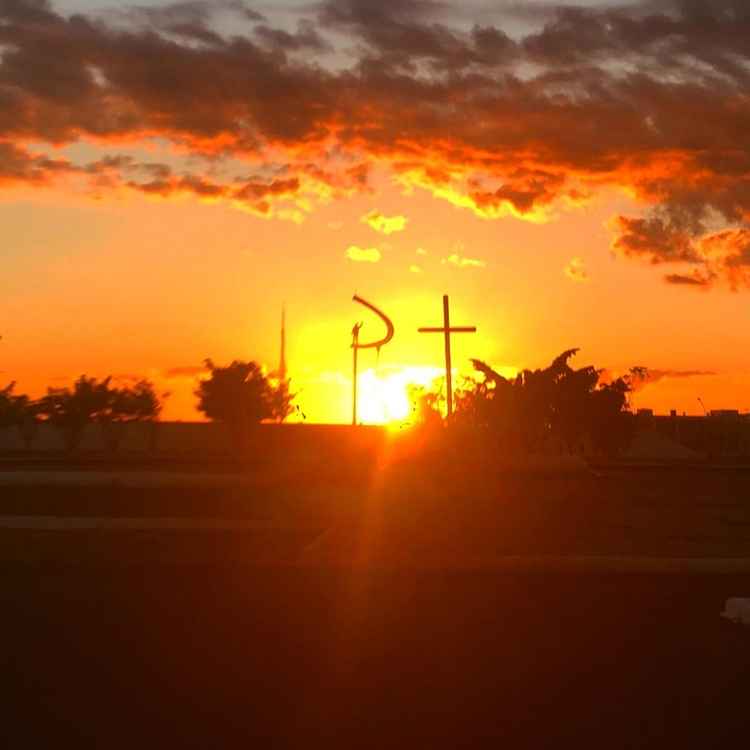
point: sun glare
(384, 394)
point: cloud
(695, 280)
(415, 269)
(384, 224)
(421, 251)
(363, 255)
(187, 20)
(129, 377)
(650, 376)
(462, 262)
(654, 376)
(19, 166)
(402, 33)
(656, 239)
(576, 270)
(647, 97)
(722, 256)
(189, 371)
(305, 38)
(254, 196)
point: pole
(355, 348)
(448, 364)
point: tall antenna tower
(282, 358)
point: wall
(208, 440)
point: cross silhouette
(446, 330)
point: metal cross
(447, 331)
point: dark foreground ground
(220, 656)
(352, 616)
(428, 515)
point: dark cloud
(674, 34)
(661, 374)
(188, 18)
(640, 377)
(715, 256)
(19, 166)
(650, 376)
(253, 195)
(27, 11)
(654, 239)
(649, 96)
(305, 38)
(696, 280)
(258, 195)
(400, 33)
(106, 163)
(362, 12)
(524, 190)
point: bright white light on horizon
(384, 395)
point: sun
(384, 394)
(381, 400)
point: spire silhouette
(282, 357)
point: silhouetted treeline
(239, 395)
(535, 411)
(71, 409)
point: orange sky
(170, 238)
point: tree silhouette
(557, 402)
(71, 410)
(240, 395)
(137, 403)
(19, 411)
(11, 406)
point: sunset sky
(172, 173)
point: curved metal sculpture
(356, 346)
(390, 330)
